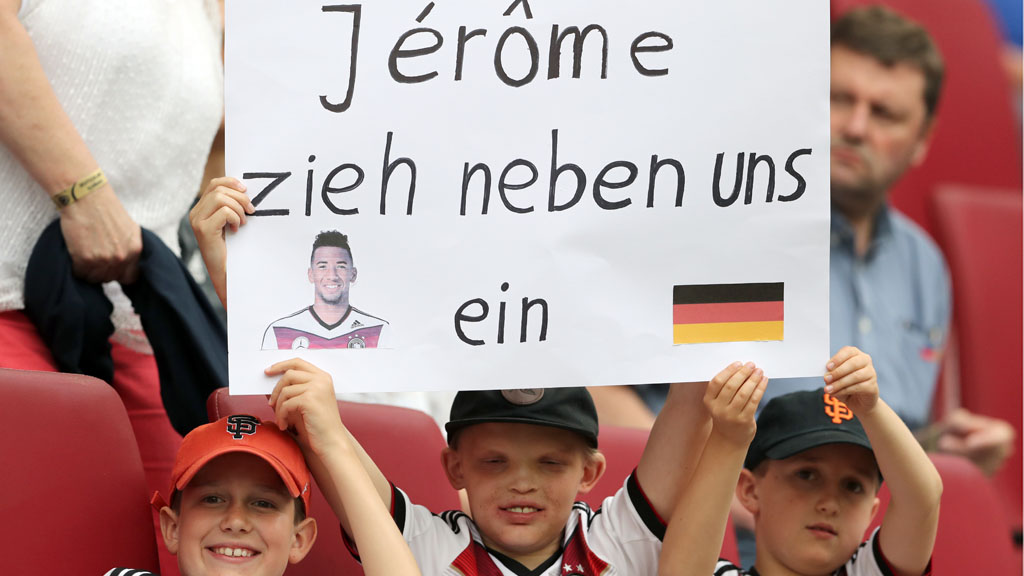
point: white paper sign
(534, 193)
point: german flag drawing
(727, 312)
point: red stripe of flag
(727, 312)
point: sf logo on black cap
(523, 396)
(242, 424)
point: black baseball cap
(566, 408)
(792, 423)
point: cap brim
(277, 465)
(457, 425)
(798, 444)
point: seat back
(405, 444)
(622, 448)
(980, 231)
(972, 538)
(976, 140)
(73, 492)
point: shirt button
(864, 324)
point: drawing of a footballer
(331, 322)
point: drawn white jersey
(622, 538)
(304, 329)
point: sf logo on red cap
(242, 424)
(837, 410)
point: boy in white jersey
(522, 457)
(810, 479)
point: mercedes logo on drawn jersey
(300, 342)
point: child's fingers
(716, 384)
(849, 366)
(745, 390)
(735, 382)
(750, 408)
(290, 364)
(844, 354)
(854, 390)
(864, 375)
(225, 181)
(285, 404)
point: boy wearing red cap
(522, 457)
(810, 478)
(240, 491)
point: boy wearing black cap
(522, 457)
(810, 478)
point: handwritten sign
(480, 194)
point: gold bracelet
(80, 189)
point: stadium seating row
(73, 494)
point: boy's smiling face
(811, 509)
(521, 481)
(236, 517)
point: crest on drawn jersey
(837, 410)
(241, 425)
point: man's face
(331, 272)
(880, 128)
(521, 481)
(812, 509)
(236, 517)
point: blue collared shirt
(893, 303)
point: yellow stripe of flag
(726, 332)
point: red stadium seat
(73, 492)
(976, 140)
(406, 444)
(622, 448)
(971, 538)
(980, 231)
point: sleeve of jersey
(726, 568)
(626, 532)
(870, 561)
(435, 540)
(269, 339)
(385, 340)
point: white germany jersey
(622, 538)
(304, 329)
(868, 560)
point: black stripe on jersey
(325, 324)
(520, 570)
(584, 510)
(452, 517)
(643, 507)
(883, 565)
(130, 572)
(727, 568)
(398, 507)
(370, 315)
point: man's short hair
(334, 239)
(893, 39)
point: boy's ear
(875, 506)
(169, 529)
(593, 469)
(452, 464)
(302, 542)
(746, 491)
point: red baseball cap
(240, 433)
